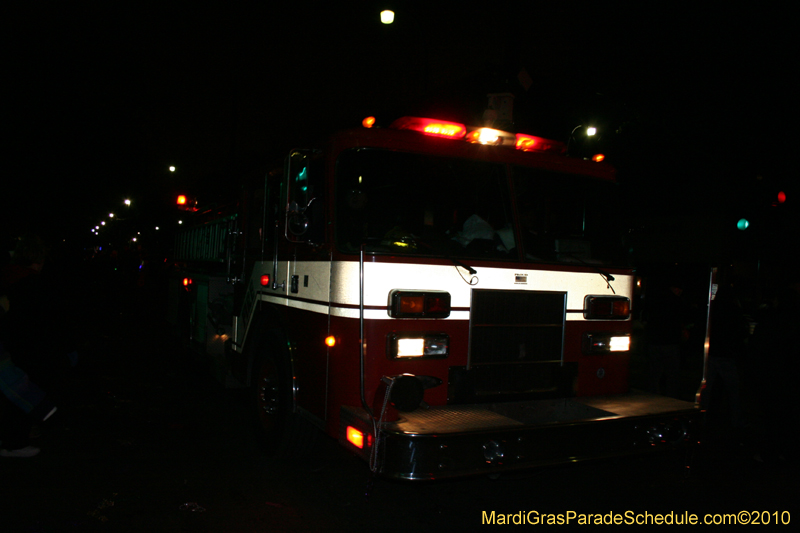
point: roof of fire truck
(430, 135)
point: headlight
(417, 345)
(594, 343)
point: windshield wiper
(605, 275)
(469, 269)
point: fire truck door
(308, 280)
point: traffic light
(743, 224)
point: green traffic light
(743, 224)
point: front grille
(516, 348)
(516, 326)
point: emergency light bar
(486, 136)
(532, 143)
(490, 137)
(429, 126)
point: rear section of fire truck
(444, 300)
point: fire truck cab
(444, 300)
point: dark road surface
(145, 441)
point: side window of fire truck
(304, 203)
(272, 209)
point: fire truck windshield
(404, 203)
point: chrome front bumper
(463, 440)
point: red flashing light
(781, 197)
(429, 126)
(532, 143)
(186, 203)
(265, 280)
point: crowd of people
(752, 358)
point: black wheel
(282, 432)
(273, 402)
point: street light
(172, 168)
(127, 202)
(387, 16)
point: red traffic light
(186, 203)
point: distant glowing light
(591, 131)
(781, 197)
(127, 201)
(743, 224)
(180, 222)
(111, 215)
(156, 228)
(172, 169)
(368, 122)
(103, 223)
(387, 16)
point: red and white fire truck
(444, 300)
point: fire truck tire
(281, 432)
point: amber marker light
(419, 304)
(330, 341)
(598, 157)
(368, 122)
(355, 437)
(181, 199)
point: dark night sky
(101, 98)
